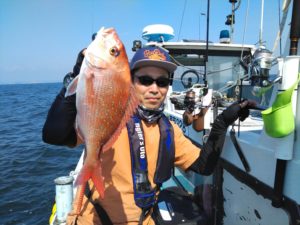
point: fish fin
(98, 182)
(84, 175)
(79, 132)
(71, 89)
(95, 174)
(130, 110)
(77, 204)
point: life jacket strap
(144, 214)
(144, 194)
(102, 214)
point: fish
(105, 101)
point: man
(146, 151)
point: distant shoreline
(30, 83)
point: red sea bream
(104, 102)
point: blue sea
(28, 166)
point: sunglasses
(147, 81)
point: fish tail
(130, 110)
(95, 174)
(78, 200)
(99, 183)
(84, 175)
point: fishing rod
(277, 201)
(295, 28)
(261, 24)
(207, 37)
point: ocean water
(28, 166)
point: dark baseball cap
(152, 56)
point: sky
(40, 39)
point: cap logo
(154, 55)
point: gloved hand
(237, 110)
(76, 69)
(68, 78)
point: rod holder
(63, 197)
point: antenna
(230, 19)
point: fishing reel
(195, 102)
(190, 99)
(260, 67)
(259, 71)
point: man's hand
(68, 78)
(237, 110)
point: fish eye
(114, 51)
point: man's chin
(151, 106)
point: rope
(183, 12)
(244, 32)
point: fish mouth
(106, 38)
(106, 32)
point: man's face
(151, 94)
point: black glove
(68, 78)
(212, 148)
(76, 69)
(77, 66)
(237, 110)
